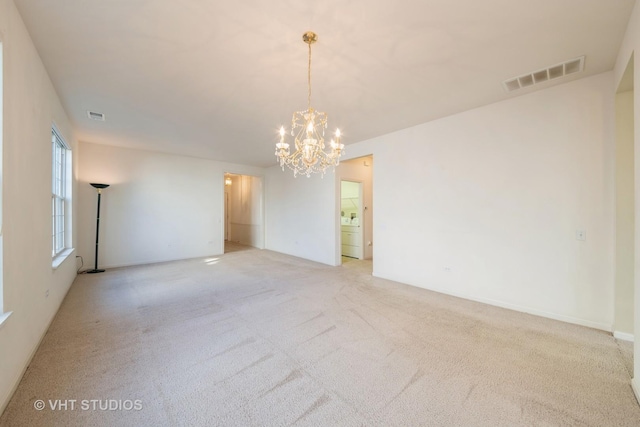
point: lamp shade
(95, 185)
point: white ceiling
(216, 79)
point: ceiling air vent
(550, 73)
(95, 116)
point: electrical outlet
(581, 235)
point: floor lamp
(99, 187)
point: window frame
(60, 168)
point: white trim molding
(624, 336)
(4, 317)
(59, 259)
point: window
(59, 197)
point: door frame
(226, 214)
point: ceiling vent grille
(95, 116)
(550, 73)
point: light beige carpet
(256, 338)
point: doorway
(351, 219)
(354, 212)
(243, 212)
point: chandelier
(307, 127)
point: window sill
(4, 317)
(59, 259)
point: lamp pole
(99, 187)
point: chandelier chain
(309, 79)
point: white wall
(629, 45)
(30, 107)
(246, 213)
(159, 207)
(495, 196)
(356, 170)
(301, 215)
(492, 199)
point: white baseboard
(149, 262)
(636, 388)
(623, 336)
(514, 307)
